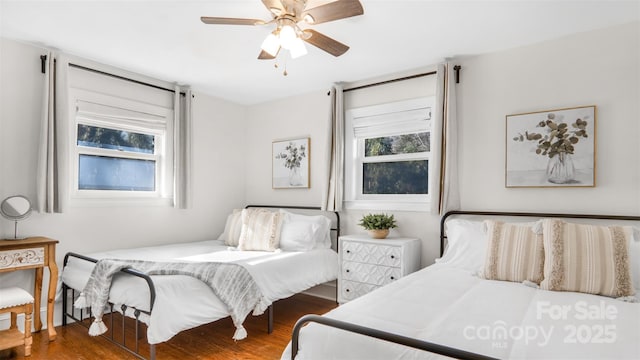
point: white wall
(296, 117)
(218, 172)
(596, 68)
(599, 67)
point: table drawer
(17, 258)
(371, 253)
(350, 290)
(370, 274)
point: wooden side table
(34, 253)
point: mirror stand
(15, 230)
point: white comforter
(183, 302)
(449, 306)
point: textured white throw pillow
(587, 258)
(260, 230)
(232, 228)
(514, 252)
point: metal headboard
(443, 236)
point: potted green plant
(378, 225)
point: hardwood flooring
(212, 341)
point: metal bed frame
(420, 344)
(79, 315)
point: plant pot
(379, 233)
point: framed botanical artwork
(553, 148)
(290, 163)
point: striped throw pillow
(260, 230)
(514, 252)
(587, 258)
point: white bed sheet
(183, 302)
(450, 306)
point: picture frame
(290, 163)
(551, 148)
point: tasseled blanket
(232, 283)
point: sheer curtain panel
(182, 147)
(445, 192)
(52, 171)
(334, 188)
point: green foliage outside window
(106, 138)
(396, 177)
(400, 144)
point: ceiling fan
(287, 14)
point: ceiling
(166, 40)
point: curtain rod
(390, 81)
(123, 78)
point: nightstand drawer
(350, 290)
(371, 253)
(369, 273)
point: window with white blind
(387, 150)
(121, 148)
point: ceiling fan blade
(275, 6)
(266, 56)
(324, 42)
(230, 21)
(336, 10)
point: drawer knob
(393, 257)
(393, 278)
(348, 270)
(348, 251)
(347, 290)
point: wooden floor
(212, 341)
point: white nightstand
(367, 264)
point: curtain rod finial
(43, 59)
(457, 68)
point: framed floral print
(552, 148)
(290, 163)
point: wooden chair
(16, 301)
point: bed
(168, 304)
(450, 309)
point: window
(387, 150)
(121, 148)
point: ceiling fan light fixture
(271, 44)
(297, 49)
(287, 36)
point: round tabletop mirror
(15, 208)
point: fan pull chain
(285, 73)
(275, 65)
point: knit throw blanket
(232, 283)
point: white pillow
(298, 235)
(319, 226)
(232, 228)
(466, 245)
